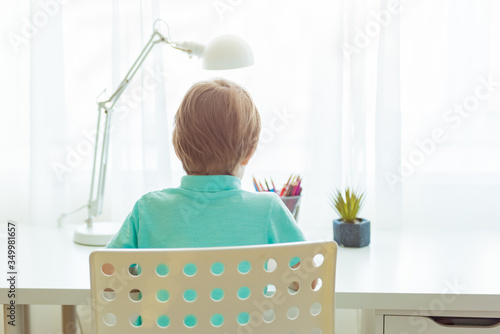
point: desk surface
(399, 270)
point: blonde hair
(217, 126)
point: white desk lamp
(224, 52)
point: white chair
(234, 290)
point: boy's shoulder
(156, 195)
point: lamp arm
(138, 63)
(95, 202)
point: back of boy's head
(217, 126)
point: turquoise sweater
(206, 211)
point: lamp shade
(227, 52)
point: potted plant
(350, 230)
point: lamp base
(98, 235)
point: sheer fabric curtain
(370, 111)
(58, 59)
(141, 139)
(450, 60)
(14, 129)
(33, 117)
(320, 112)
(345, 90)
(420, 112)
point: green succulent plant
(347, 204)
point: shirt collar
(210, 183)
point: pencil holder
(293, 204)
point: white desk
(52, 270)
(422, 273)
(399, 271)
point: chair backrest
(251, 289)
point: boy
(216, 131)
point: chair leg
(69, 321)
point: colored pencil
(292, 187)
(274, 187)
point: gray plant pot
(352, 234)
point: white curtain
(371, 108)
(345, 89)
(450, 114)
(14, 121)
(141, 138)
